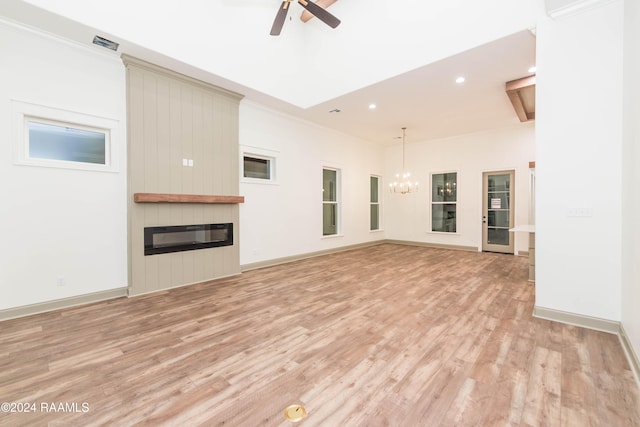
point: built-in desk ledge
(184, 198)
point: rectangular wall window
(66, 142)
(444, 202)
(258, 167)
(330, 202)
(374, 216)
(52, 137)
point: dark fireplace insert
(177, 238)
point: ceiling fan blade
(306, 15)
(280, 17)
(320, 13)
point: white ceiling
(402, 55)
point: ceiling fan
(314, 9)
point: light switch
(185, 162)
(190, 162)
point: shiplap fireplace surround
(172, 118)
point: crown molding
(563, 8)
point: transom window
(257, 167)
(66, 142)
(53, 137)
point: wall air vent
(101, 41)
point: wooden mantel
(184, 198)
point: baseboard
(284, 260)
(632, 357)
(292, 258)
(595, 323)
(433, 245)
(41, 307)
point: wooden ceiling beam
(513, 89)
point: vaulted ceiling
(402, 56)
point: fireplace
(177, 238)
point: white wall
(631, 176)
(59, 223)
(579, 158)
(408, 216)
(285, 219)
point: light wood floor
(388, 335)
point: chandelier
(403, 183)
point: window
(257, 167)
(66, 142)
(374, 217)
(444, 202)
(330, 198)
(52, 137)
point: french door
(498, 211)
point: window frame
(336, 202)
(258, 153)
(24, 113)
(432, 203)
(378, 203)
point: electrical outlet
(61, 281)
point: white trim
(595, 323)
(74, 44)
(259, 153)
(42, 307)
(632, 357)
(563, 8)
(23, 112)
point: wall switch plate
(580, 212)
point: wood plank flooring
(388, 335)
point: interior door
(498, 211)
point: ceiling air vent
(101, 41)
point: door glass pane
(329, 178)
(329, 219)
(498, 218)
(498, 236)
(498, 200)
(375, 217)
(443, 218)
(499, 182)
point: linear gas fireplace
(176, 238)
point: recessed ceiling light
(460, 79)
(372, 106)
(532, 70)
